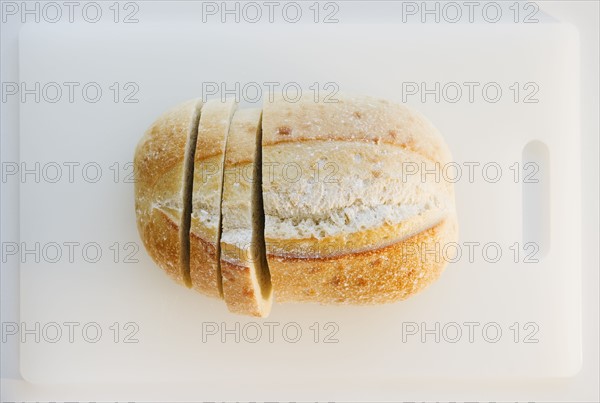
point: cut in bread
(162, 163)
(246, 281)
(205, 228)
(344, 195)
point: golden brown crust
(352, 118)
(213, 128)
(343, 243)
(160, 235)
(240, 293)
(378, 276)
(203, 266)
(246, 285)
(344, 238)
(353, 195)
(206, 196)
(160, 176)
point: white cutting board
(169, 63)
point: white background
(583, 387)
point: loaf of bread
(332, 203)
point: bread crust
(345, 241)
(325, 198)
(369, 238)
(241, 293)
(352, 118)
(213, 128)
(246, 283)
(160, 175)
(377, 276)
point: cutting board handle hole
(535, 182)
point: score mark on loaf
(299, 202)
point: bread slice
(205, 228)
(341, 205)
(246, 281)
(162, 163)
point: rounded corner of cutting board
(29, 372)
(574, 367)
